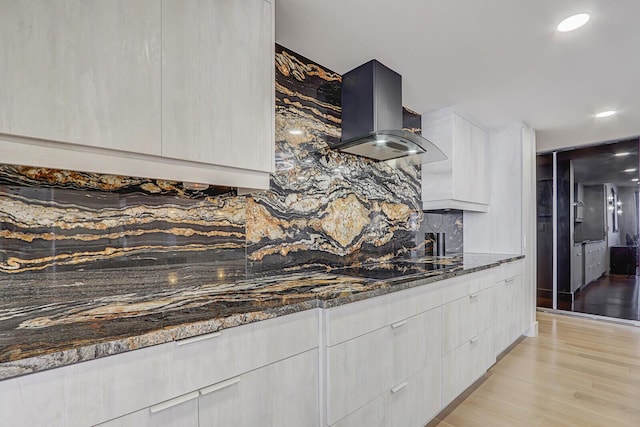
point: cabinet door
(510, 314)
(283, 394)
(218, 82)
(480, 184)
(82, 72)
(179, 412)
(470, 177)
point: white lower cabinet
(411, 403)
(465, 318)
(509, 300)
(283, 394)
(464, 365)
(387, 366)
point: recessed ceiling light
(635, 180)
(631, 170)
(412, 152)
(622, 153)
(295, 132)
(603, 114)
(573, 22)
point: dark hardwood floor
(612, 295)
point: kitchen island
(272, 320)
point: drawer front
(356, 319)
(414, 402)
(358, 371)
(282, 394)
(410, 403)
(508, 270)
(363, 368)
(465, 364)
(465, 318)
(201, 362)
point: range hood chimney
(372, 119)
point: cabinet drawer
(410, 403)
(283, 394)
(227, 356)
(508, 270)
(361, 369)
(465, 318)
(356, 319)
(465, 364)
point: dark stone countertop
(49, 320)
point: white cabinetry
(282, 394)
(82, 72)
(383, 360)
(382, 363)
(218, 82)
(461, 181)
(595, 260)
(467, 339)
(180, 89)
(511, 319)
(577, 266)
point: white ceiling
(496, 60)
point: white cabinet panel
(353, 320)
(358, 370)
(465, 364)
(218, 82)
(410, 403)
(284, 394)
(465, 318)
(361, 369)
(462, 180)
(83, 72)
(510, 315)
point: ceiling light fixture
(635, 180)
(631, 170)
(573, 22)
(622, 153)
(603, 114)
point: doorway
(588, 230)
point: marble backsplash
(450, 223)
(323, 208)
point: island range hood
(372, 119)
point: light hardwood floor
(577, 372)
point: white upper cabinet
(218, 82)
(461, 181)
(181, 90)
(82, 72)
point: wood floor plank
(577, 372)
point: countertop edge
(39, 363)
